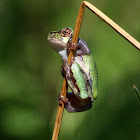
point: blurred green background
(30, 78)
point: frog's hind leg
(80, 78)
(76, 105)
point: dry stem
(64, 91)
(71, 55)
(110, 22)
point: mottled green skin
(91, 66)
(85, 69)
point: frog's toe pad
(61, 99)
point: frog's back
(92, 72)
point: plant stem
(64, 89)
(111, 23)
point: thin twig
(59, 114)
(64, 90)
(71, 55)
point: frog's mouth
(57, 42)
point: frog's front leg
(81, 47)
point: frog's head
(59, 39)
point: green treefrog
(81, 74)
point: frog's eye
(66, 32)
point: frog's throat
(64, 55)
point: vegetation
(30, 78)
